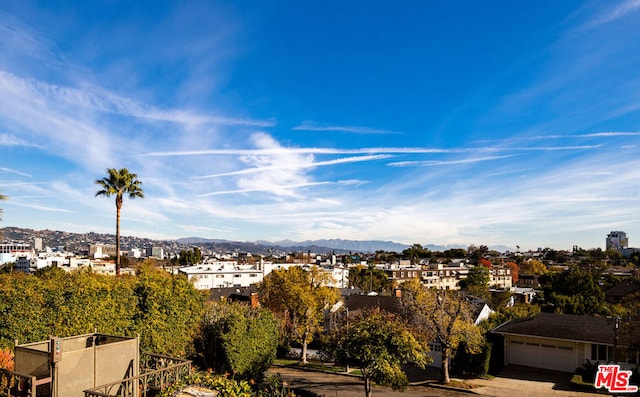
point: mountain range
(324, 246)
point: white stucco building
(222, 275)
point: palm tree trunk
(118, 237)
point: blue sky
(466, 122)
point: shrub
(6, 360)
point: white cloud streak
(432, 163)
(313, 126)
(623, 9)
(12, 140)
(298, 166)
(265, 189)
(98, 99)
(12, 171)
(372, 150)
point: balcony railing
(158, 372)
(14, 384)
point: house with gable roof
(565, 342)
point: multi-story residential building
(65, 261)
(500, 278)
(222, 275)
(398, 274)
(444, 276)
(10, 251)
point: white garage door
(547, 355)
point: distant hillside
(326, 246)
(344, 245)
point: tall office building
(616, 240)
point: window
(565, 347)
(601, 352)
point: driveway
(527, 382)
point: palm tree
(119, 183)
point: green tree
(167, 312)
(369, 278)
(455, 253)
(119, 183)
(379, 343)
(236, 338)
(442, 316)
(477, 281)
(415, 253)
(575, 291)
(533, 267)
(299, 298)
(190, 257)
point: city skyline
(497, 123)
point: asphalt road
(330, 385)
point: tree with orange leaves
(484, 262)
(6, 360)
(514, 271)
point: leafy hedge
(163, 309)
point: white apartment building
(10, 251)
(30, 264)
(500, 278)
(222, 275)
(444, 276)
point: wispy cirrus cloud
(12, 171)
(314, 126)
(371, 150)
(611, 15)
(39, 207)
(345, 160)
(98, 99)
(12, 140)
(607, 134)
(303, 150)
(432, 163)
(265, 188)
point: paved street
(330, 385)
(512, 381)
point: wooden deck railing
(158, 372)
(14, 384)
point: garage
(546, 355)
